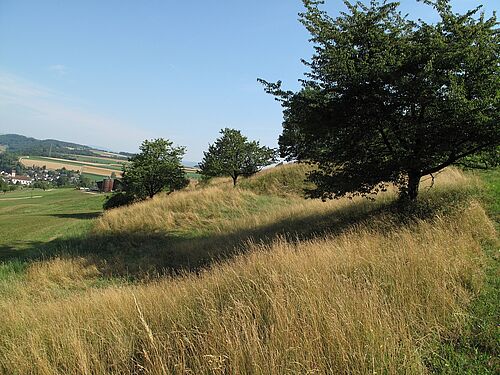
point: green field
(94, 177)
(95, 159)
(30, 217)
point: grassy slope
(393, 290)
(363, 302)
(287, 180)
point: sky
(112, 73)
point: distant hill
(22, 145)
(47, 147)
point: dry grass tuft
(285, 180)
(61, 272)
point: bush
(117, 200)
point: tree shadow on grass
(136, 255)
(82, 215)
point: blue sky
(112, 73)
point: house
(21, 180)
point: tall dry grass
(219, 208)
(223, 209)
(374, 298)
(362, 302)
(285, 180)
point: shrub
(117, 200)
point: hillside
(31, 146)
(254, 280)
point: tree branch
(453, 158)
(386, 141)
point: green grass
(194, 176)
(477, 351)
(94, 177)
(28, 217)
(491, 195)
(95, 159)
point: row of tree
(158, 166)
(387, 100)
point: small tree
(234, 155)
(40, 185)
(85, 182)
(4, 186)
(156, 168)
(389, 100)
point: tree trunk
(235, 177)
(413, 183)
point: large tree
(389, 100)
(234, 155)
(156, 168)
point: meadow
(31, 216)
(217, 280)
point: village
(43, 178)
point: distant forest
(21, 145)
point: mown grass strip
(477, 350)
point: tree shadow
(136, 255)
(82, 215)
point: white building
(22, 180)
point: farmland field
(93, 177)
(97, 159)
(55, 163)
(107, 154)
(113, 165)
(28, 217)
(94, 166)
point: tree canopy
(234, 155)
(156, 168)
(389, 100)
